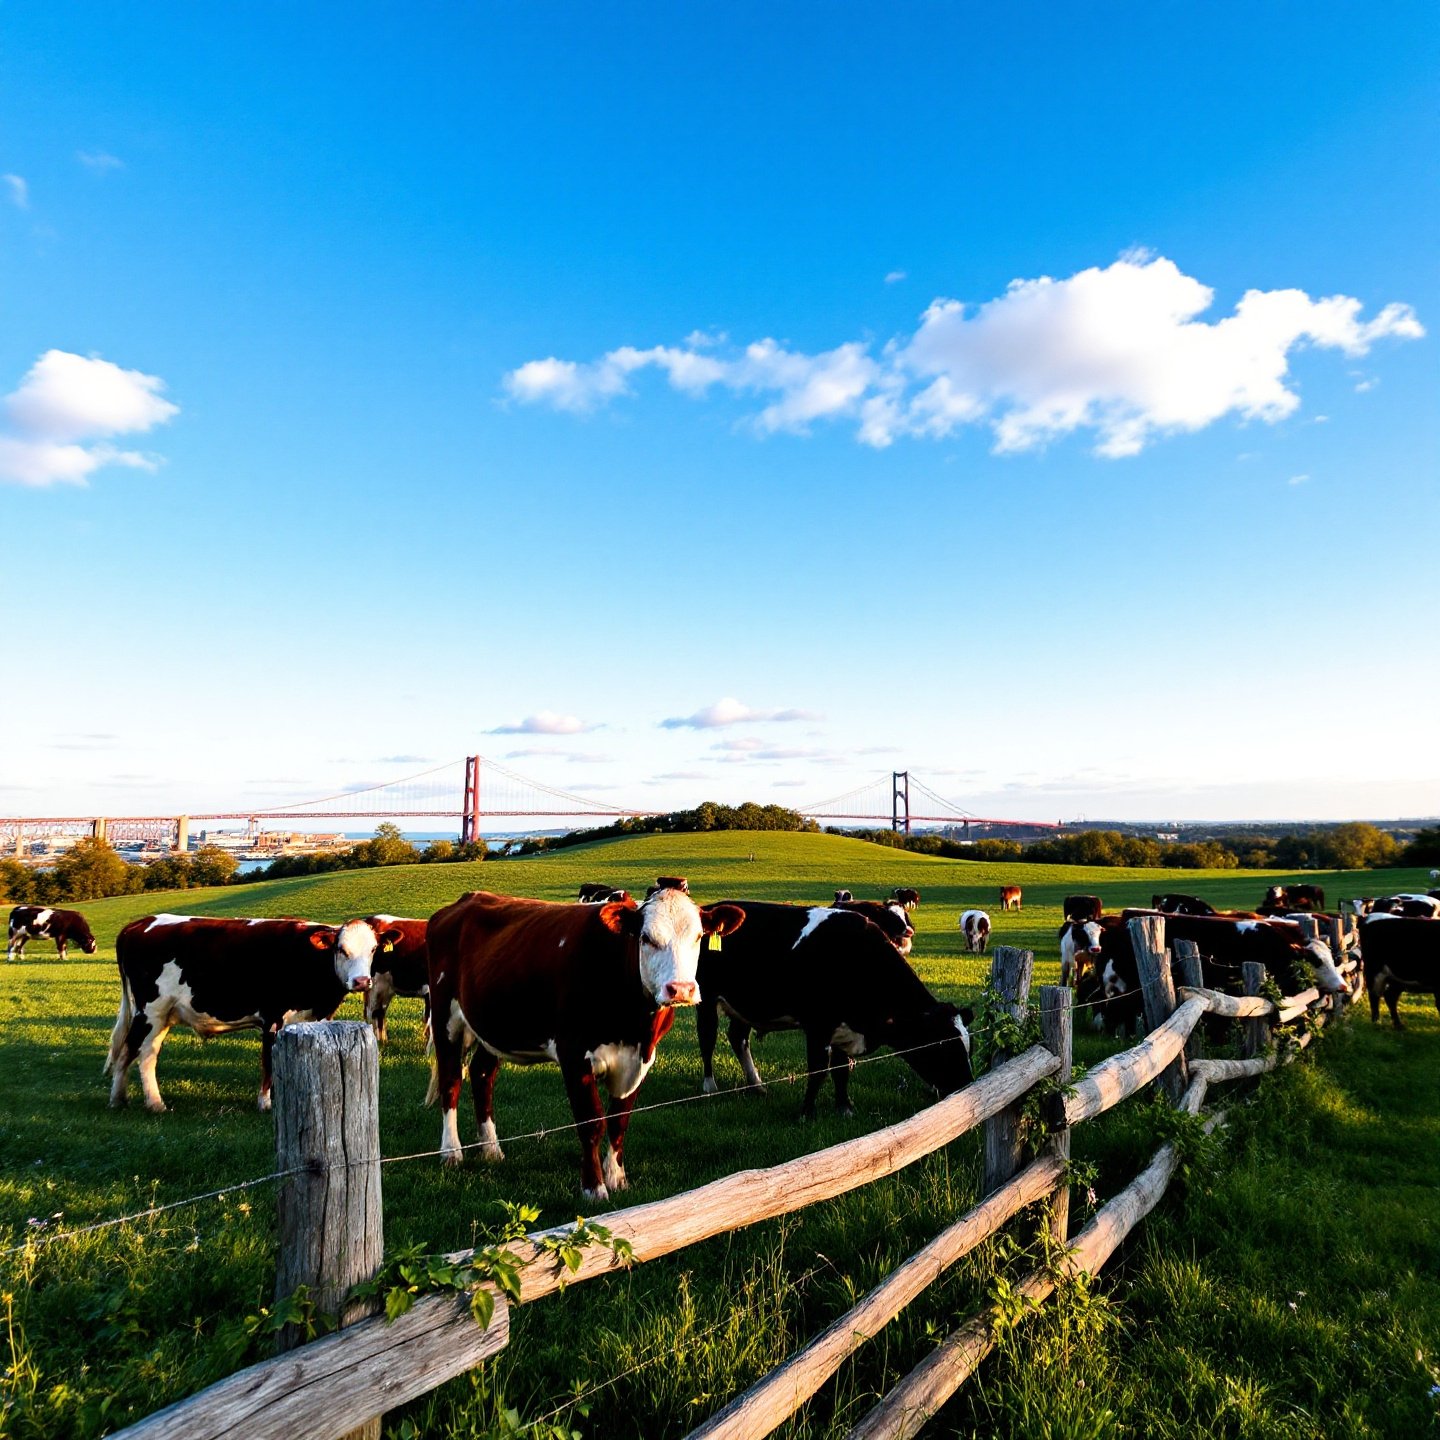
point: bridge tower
(470, 803)
(900, 800)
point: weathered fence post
(1187, 965)
(327, 1131)
(1307, 925)
(1252, 975)
(1157, 990)
(1057, 1036)
(1010, 971)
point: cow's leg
(60, 948)
(589, 1123)
(1392, 994)
(1374, 985)
(146, 1054)
(17, 947)
(123, 1055)
(817, 1063)
(616, 1123)
(739, 1036)
(450, 1042)
(483, 1070)
(267, 1073)
(707, 1027)
(840, 1065)
(377, 1003)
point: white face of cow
(355, 946)
(1091, 932)
(1327, 977)
(670, 935)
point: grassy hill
(1357, 1158)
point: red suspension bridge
(476, 789)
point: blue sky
(417, 489)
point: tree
(387, 847)
(1424, 849)
(17, 882)
(90, 868)
(1357, 846)
(210, 865)
(170, 872)
(437, 852)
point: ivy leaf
(482, 1307)
(397, 1302)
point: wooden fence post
(1187, 965)
(1257, 1031)
(327, 1131)
(1057, 1036)
(1010, 971)
(1308, 927)
(1152, 960)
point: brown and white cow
(401, 967)
(905, 896)
(592, 988)
(1010, 896)
(38, 922)
(221, 975)
(842, 897)
(1292, 897)
(1082, 908)
(889, 915)
(1181, 905)
(975, 926)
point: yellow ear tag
(714, 939)
(389, 946)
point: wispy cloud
(403, 760)
(19, 189)
(1120, 352)
(100, 161)
(545, 722)
(59, 420)
(895, 277)
(1297, 480)
(570, 757)
(730, 711)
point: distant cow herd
(593, 987)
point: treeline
(1355, 845)
(706, 816)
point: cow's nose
(360, 982)
(681, 992)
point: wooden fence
(326, 1089)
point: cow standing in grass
(401, 967)
(38, 922)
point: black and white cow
(834, 975)
(668, 882)
(1400, 954)
(602, 895)
(37, 922)
(842, 897)
(906, 896)
(975, 927)
(1412, 906)
(1082, 907)
(221, 975)
(1181, 905)
(889, 915)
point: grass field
(1330, 1188)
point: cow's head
(843, 897)
(86, 939)
(352, 948)
(1327, 977)
(936, 1046)
(669, 928)
(898, 929)
(1275, 895)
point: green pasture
(1329, 1186)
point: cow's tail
(122, 1027)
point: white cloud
(62, 412)
(895, 277)
(1361, 386)
(1297, 480)
(1120, 352)
(729, 711)
(545, 722)
(19, 189)
(573, 757)
(100, 161)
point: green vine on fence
(997, 1030)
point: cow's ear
(967, 1014)
(389, 939)
(322, 939)
(617, 916)
(721, 919)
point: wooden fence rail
(327, 1389)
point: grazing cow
(602, 895)
(905, 896)
(1410, 906)
(1079, 948)
(1010, 897)
(668, 882)
(832, 974)
(1292, 897)
(842, 897)
(975, 926)
(1400, 954)
(889, 915)
(1111, 992)
(1181, 905)
(401, 967)
(36, 922)
(1082, 907)
(221, 975)
(592, 988)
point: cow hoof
(708, 1085)
(600, 1193)
(491, 1154)
(452, 1158)
(845, 1111)
(615, 1176)
(263, 1104)
(156, 1107)
(118, 1102)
